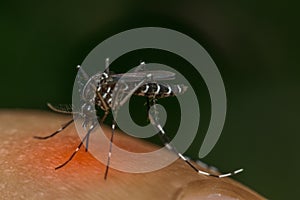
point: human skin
(27, 167)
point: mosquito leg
(87, 142)
(78, 147)
(166, 141)
(140, 67)
(103, 103)
(106, 66)
(104, 117)
(88, 136)
(113, 126)
(148, 105)
(83, 73)
(56, 132)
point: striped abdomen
(151, 90)
(158, 90)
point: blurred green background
(254, 44)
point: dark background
(254, 44)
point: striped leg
(118, 101)
(113, 127)
(166, 141)
(56, 132)
(87, 142)
(78, 147)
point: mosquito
(108, 92)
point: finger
(27, 167)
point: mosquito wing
(157, 75)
